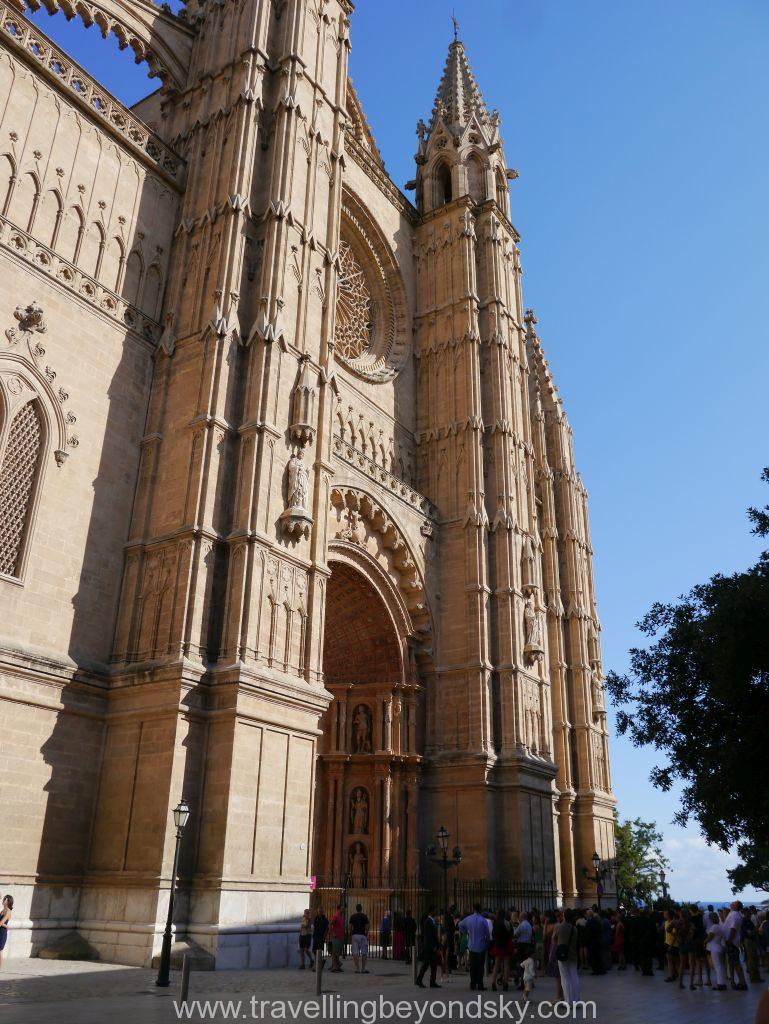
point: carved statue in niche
(297, 481)
(597, 693)
(296, 520)
(357, 867)
(532, 717)
(359, 812)
(532, 628)
(361, 721)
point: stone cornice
(380, 178)
(25, 41)
(59, 271)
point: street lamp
(600, 871)
(443, 860)
(181, 817)
(664, 885)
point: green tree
(638, 860)
(699, 694)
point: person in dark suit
(409, 934)
(428, 952)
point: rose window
(354, 308)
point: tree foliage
(638, 860)
(699, 694)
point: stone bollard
(319, 964)
(185, 980)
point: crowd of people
(695, 948)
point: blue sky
(639, 131)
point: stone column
(386, 824)
(412, 826)
(387, 742)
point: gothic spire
(458, 96)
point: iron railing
(379, 896)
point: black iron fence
(502, 895)
(395, 898)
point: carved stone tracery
(354, 310)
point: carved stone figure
(532, 626)
(361, 722)
(597, 695)
(358, 867)
(359, 811)
(298, 481)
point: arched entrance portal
(367, 798)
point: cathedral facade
(290, 524)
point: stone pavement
(44, 991)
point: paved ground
(45, 991)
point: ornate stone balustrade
(384, 478)
(25, 36)
(24, 246)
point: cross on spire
(456, 26)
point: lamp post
(664, 885)
(600, 871)
(443, 860)
(181, 817)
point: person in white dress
(714, 944)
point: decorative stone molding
(371, 298)
(31, 321)
(86, 90)
(395, 486)
(360, 517)
(27, 248)
(152, 31)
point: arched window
(442, 184)
(502, 193)
(476, 179)
(23, 201)
(70, 234)
(152, 288)
(133, 278)
(22, 443)
(48, 217)
(91, 250)
(112, 264)
(7, 179)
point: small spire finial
(456, 26)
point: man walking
(359, 939)
(478, 936)
(566, 952)
(428, 954)
(320, 926)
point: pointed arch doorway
(367, 798)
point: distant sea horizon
(717, 904)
